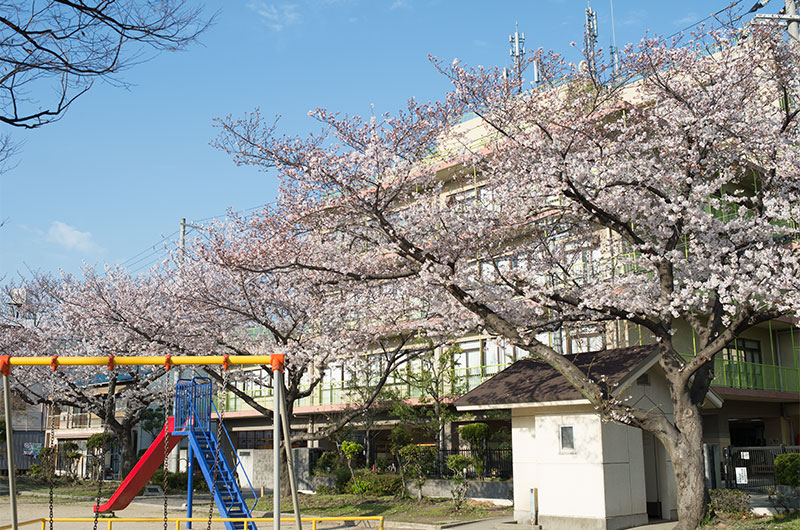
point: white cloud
(401, 4)
(71, 238)
(634, 17)
(690, 18)
(276, 16)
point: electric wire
(712, 15)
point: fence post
(726, 454)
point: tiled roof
(532, 380)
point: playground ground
(29, 508)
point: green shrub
(322, 489)
(416, 462)
(787, 469)
(731, 502)
(327, 463)
(382, 464)
(380, 484)
(359, 487)
(458, 464)
(341, 476)
(477, 434)
(178, 481)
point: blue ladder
(193, 412)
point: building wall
(560, 477)
(623, 471)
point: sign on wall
(31, 449)
(741, 475)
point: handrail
(203, 425)
(178, 520)
(238, 460)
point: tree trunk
(692, 493)
(127, 449)
(685, 450)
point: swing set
(193, 413)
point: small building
(585, 472)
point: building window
(743, 350)
(742, 364)
(254, 439)
(567, 439)
(586, 339)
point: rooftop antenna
(517, 41)
(591, 37)
(614, 50)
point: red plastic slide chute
(151, 460)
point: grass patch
(777, 522)
(393, 509)
(64, 486)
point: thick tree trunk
(690, 478)
(685, 448)
(127, 449)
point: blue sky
(117, 173)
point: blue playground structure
(194, 410)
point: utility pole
(794, 20)
(182, 244)
(788, 14)
(614, 50)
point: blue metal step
(227, 494)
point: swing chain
(103, 449)
(220, 396)
(167, 388)
(53, 447)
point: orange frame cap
(5, 364)
(276, 359)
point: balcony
(754, 376)
(727, 373)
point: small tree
(433, 378)
(477, 435)
(458, 464)
(417, 462)
(351, 450)
(400, 437)
(153, 420)
(95, 452)
(70, 455)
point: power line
(156, 251)
(150, 248)
(712, 15)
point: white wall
(568, 482)
(623, 470)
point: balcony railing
(727, 373)
(754, 376)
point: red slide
(151, 460)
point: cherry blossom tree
(664, 197)
(73, 316)
(243, 282)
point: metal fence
(27, 445)
(753, 468)
(497, 463)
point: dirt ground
(29, 508)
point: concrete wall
(623, 473)
(562, 477)
(501, 491)
(257, 464)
